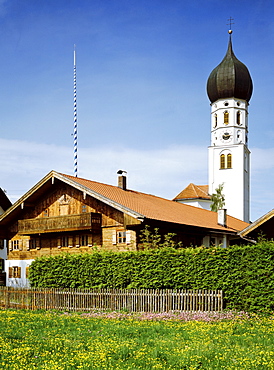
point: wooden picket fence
(132, 300)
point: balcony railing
(83, 221)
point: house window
(225, 161)
(46, 213)
(84, 208)
(226, 117)
(34, 243)
(84, 240)
(121, 237)
(15, 272)
(2, 243)
(15, 244)
(64, 241)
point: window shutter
(19, 272)
(128, 236)
(10, 272)
(27, 271)
(114, 237)
(10, 245)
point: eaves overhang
(49, 179)
(210, 230)
(99, 196)
(254, 225)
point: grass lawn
(52, 340)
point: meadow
(53, 340)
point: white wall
(3, 252)
(236, 179)
(200, 203)
(17, 282)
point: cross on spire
(230, 22)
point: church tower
(229, 88)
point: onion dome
(230, 79)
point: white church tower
(229, 88)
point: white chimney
(222, 217)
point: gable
(111, 200)
(193, 191)
(262, 227)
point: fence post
(7, 298)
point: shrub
(244, 273)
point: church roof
(193, 191)
(230, 79)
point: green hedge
(244, 273)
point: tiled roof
(193, 191)
(153, 207)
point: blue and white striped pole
(75, 115)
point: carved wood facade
(65, 219)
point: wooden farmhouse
(62, 213)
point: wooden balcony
(83, 221)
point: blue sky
(142, 68)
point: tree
(218, 199)
(153, 240)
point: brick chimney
(122, 180)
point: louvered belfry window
(226, 118)
(225, 161)
(229, 161)
(222, 161)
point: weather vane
(230, 23)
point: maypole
(75, 114)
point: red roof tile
(193, 191)
(157, 208)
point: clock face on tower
(226, 136)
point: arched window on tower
(222, 161)
(215, 120)
(229, 160)
(225, 161)
(226, 117)
(238, 118)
